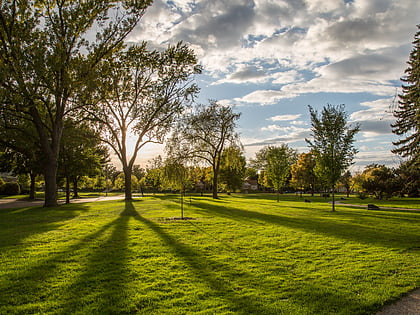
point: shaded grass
(243, 254)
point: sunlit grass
(242, 254)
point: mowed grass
(242, 254)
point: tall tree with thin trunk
(408, 111)
(332, 143)
(140, 96)
(203, 134)
(48, 52)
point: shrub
(362, 195)
(10, 188)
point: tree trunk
(67, 190)
(214, 188)
(127, 182)
(32, 177)
(333, 199)
(50, 170)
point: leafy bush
(362, 195)
(10, 188)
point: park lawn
(241, 254)
(62, 195)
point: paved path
(365, 206)
(408, 305)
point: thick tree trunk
(127, 182)
(32, 186)
(50, 183)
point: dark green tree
(48, 53)
(21, 151)
(408, 110)
(332, 143)
(203, 135)
(408, 179)
(81, 155)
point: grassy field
(242, 254)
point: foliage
(140, 95)
(346, 182)
(154, 174)
(408, 179)
(408, 111)
(243, 255)
(203, 135)
(276, 163)
(47, 58)
(232, 168)
(81, 154)
(332, 143)
(303, 174)
(120, 182)
(378, 180)
(10, 189)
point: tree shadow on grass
(102, 286)
(28, 288)
(369, 232)
(203, 268)
(18, 224)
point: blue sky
(272, 58)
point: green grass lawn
(62, 195)
(242, 254)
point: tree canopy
(48, 51)
(332, 143)
(140, 94)
(203, 134)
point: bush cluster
(9, 188)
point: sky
(270, 59)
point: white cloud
(284, 117)
(265, 97)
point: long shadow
(203, 267)
(19, 223)
(362, 232)
(104, 280)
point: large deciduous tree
(48, 51)
(203, 134)
(408, 111)
(141, 94)
(332, 143)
